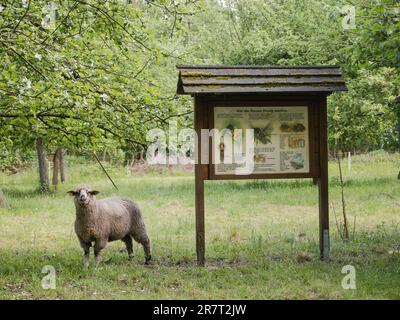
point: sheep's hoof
(148, 259)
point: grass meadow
(261, 237)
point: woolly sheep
(109, 219)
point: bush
(12, 158)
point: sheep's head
(83, 195)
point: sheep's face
(83, 196)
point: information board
(281, 138)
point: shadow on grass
(297, 183)
(263, 184)
(188, 187)
(20, 194)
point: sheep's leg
(147, 248)
(86, 250)
(145, 242)
(99, 245)
(86, 258)
(129, 246)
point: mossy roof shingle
(259, 79)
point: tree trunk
(43, 166)
(63, 169)
(56, 168)
(398, 125)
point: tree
(99, 74)
(364, 119)
(375, 47)
(79, 73)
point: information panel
(281, 143)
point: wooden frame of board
(262, 86)
(318, 155)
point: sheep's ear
(94, 192)
(72, 193)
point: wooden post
(199, 119)
(200, 226)
(323, 181)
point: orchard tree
(363, 119)
(374, 59)
(81, 73)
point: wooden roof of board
(196, 80)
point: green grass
(252, 237)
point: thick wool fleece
(110, 219)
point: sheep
(109, 219)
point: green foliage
(376, 40)
(104, 73)
(363, 118)
(287, 33)
(86, 79)
(13, 157)
(311, 33)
